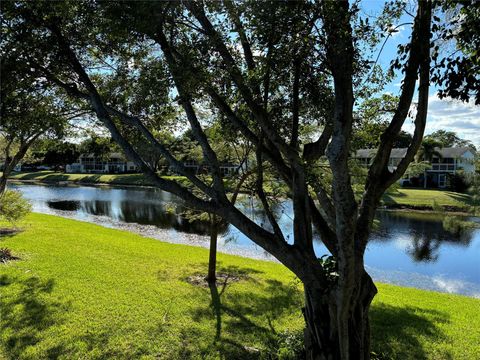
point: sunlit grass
(84, 291)
(114, 179)
(427, 198)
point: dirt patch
(6, 255)
(222, 279)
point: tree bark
(212, 260)
(322, 335)
(3, 183)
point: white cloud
(397, 32)
(452, 115)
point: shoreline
(451, 210)
(399, 278)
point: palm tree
(428, 150)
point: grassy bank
(83, 291)
(109, 179)
(410, 198)
(421, 198)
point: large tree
(269, 71)
(28, 110)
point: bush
(288, 345)
(459, 182)
(13, 207)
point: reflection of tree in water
(426, 233)
(65, 205)
(158, 215)
(97, 207)
(423, 248)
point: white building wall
(466, 162)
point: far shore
(402, 199)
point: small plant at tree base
(288, 345)
(13, 207)
(329, 266)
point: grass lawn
(84, 291)
(114, 179)
(425, 198)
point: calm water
(406, 249)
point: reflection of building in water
(115, 163)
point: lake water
(408, 249)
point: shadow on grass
(461, 198)
(9, 232)
(65, 177)
(396, 332)
(248, 315)
(30, 175)
(25, 314)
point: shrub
(459, 182)
(6, 255)
(288, 345)
(13, 207)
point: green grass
(422, 198)
(84, 291)
(111, 179)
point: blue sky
(445, 114)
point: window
(442, 180)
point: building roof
(452, 152)
(114, 155)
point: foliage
(474, 192)
(417, 168)
(429, 150)
(457, 48)
(288, 345)
(100, 147)
(330, 268)
(13, 207)
(284, 77)
(372, 120)
(459, 181)
(449, 139)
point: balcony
(443, 167)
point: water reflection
(144, 213)
(426, 233)
(404, 243)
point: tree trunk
(5, 174)
(212, 261)
(320, 312)
(3, 184)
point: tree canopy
(281, 78)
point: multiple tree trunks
(322, 336)
(336, 312)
